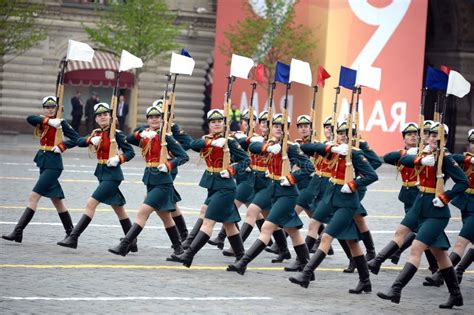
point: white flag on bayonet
(369, 76)
(79, 51)
(181, 64)
(240, 66)
(457, 84)
(129, 61)
(300, 71)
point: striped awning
(101, 72)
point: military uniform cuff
(62, 147)
(328, 148)
(231, 170)
(291, 179)
(444, 198)
(264, 147)
(417, 161)
(45, 120)
(88, 140)
(207, 142)
(352, 185)
(403, 152)
(169, 165)
(122, 158)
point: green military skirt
(431, 232)
(244, 192)
(48, 185)
(220, 206)
(341, 224)
(361, 210)
(176, 196)
(108, 192)
(467, 230)
(160, 197)
(305, 198)
(263, 199)
(283, 214)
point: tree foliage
(145, 28)
(19, 30)
(271, 38)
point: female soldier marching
(341, 201)
(283, 192)
(158, 180)
(108, 172)
(49, 160)
(219, 205)
(433, 216)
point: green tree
(270, 36)
(19, 30)
(145, 28)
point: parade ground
(38, 276)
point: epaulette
(291, 143)
(356, 149)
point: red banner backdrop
(381, 33)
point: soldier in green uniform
(340, 203)
(432, 214)
(184, 140)
(219, 205)
(158, 180)
(48, 159)
(283, 191)
(465, 203)
(409, 189)
(108, 172)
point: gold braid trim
(332, 163)
(39, 132)
(470, 170)
(145, 149)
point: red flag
(322, 76)
(445, 69)
(260, 73)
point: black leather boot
(17, 234)
(432, 263)
(126, 226)
(386, 252)
(466, 261)
(455, 296)
(403, 278)
(193, 233)
(259, 223)
(280, 240)
(302, 257)
(318, 241)
(187, 257)
(364, 284)
(303, 278)
(66, 221)
(407, 243)
(436, 280)
(182, 228)
(237, 245)
(241, 265)
(219, 239)
(125, 245)
(173, 235)
(244, 234)
(315, 246)
(351, 267)
(369, 245)
(71, 240)
(298, 265)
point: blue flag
(184, 52)
(347, 78)
(282, 72)
(436, 79)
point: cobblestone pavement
(37, 276)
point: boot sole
(395, 300)
(280, 260)
(12, 239)
(117, 253)
(288, 269)
(431, 283)
(228, 254)
(301, 284)
(364, 290)
(233, 268)
(459, 303)
(66, 245)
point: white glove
(428, 160)
(346, 189)
(412, 151)
(256, 139)
(284, 181)
(163, 168)
(267, 173)
(240, 135)
(54, 122)
(472, 160)
(275, 149)
(113, 161)
(225, 174)
(341, 149)
(427, 149)
(438, 203)
(150, 134)
(218, 142)
(95, 140)
(56, 149)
